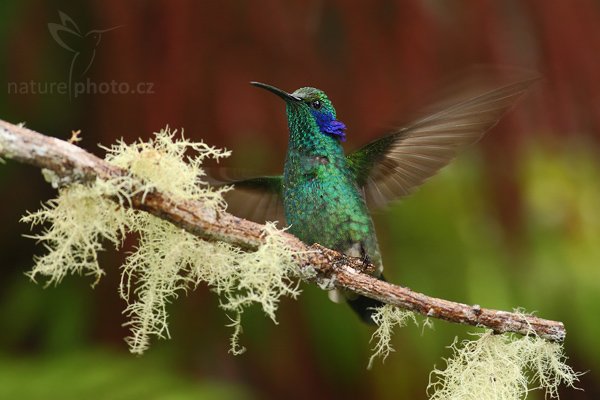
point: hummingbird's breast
(324, 205)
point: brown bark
(73, 164)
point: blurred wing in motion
(395, 165)
(258, 199)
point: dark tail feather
(365, 307)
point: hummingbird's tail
(365, 307)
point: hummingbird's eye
(316, 104)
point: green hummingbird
(326, 194)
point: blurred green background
(514, 222)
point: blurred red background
(378, 61)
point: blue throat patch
(329, 125)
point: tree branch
(73, 164)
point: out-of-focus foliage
(102, 374)
(563, 233)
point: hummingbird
(327, 196)
(83, 45)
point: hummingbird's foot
(366, 259)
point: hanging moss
(167, 259)
(503, 366)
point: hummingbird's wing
(395, 165)
(258, 199)
(67, 33)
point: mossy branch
(328, 268)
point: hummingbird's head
(312, 104)
(94, 36)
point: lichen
(51, 177)
(79, 220)
(162, 164)
(501, 367)
(167, 260)
(387, 318)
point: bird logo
(82, 45)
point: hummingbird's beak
(106, 30)
(284, 95)
(112, 29)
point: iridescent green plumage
(322, 202)
(325, 193)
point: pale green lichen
(387, 318)
(79, 219)
(51, 177)
(167, 259)
(244, 278)
(162, 164)
(503, 367)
